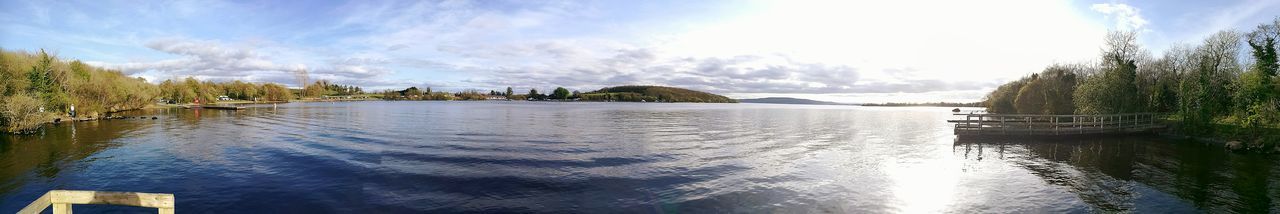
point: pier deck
(1055, 125)
(222, 107)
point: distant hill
(634, 93)
(788, 100)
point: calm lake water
(413, 157)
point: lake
(414, 157)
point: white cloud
(204, 58)
(1126, 17)
(218, 61)
(958, 41)
(735, 74)
(822, 47)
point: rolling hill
(635, 93)
(788, 100)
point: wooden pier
(1013, 125)
(61, 200)
(216, 107)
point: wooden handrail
(1033, 124)
(61, 200)
(1054, 115)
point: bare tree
(302, 76)
(1121, 47)
(1218, 54)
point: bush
(1001, 100)
(21, 113)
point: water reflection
(46, 154)
(1142, 174)
(414, 157)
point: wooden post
(62, 208)
(1003, 128)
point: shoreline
(1255, 144)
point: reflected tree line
(45, 155)
(1104, 172)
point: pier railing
(1041, 125)
(61, 200)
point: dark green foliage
(1001, 100)
(1262, 42)
(1030, 98)
(411, 92)
(1049, 92)
(326, 88)
(1204, 90)
(47, 83)
(1059, 84)
(1114, 89)
(1158, 82)
(1257, 94)
(533, 94)
(560, 93)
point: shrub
(21, 113)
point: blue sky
(846, 51)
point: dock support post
(61, 208)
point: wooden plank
(36, 206)
(137, 199)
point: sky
(843, 51)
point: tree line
(619, 93)
(189, 90)
(413, 93)
(36, 87)
(326, 88)
(1212, 82)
